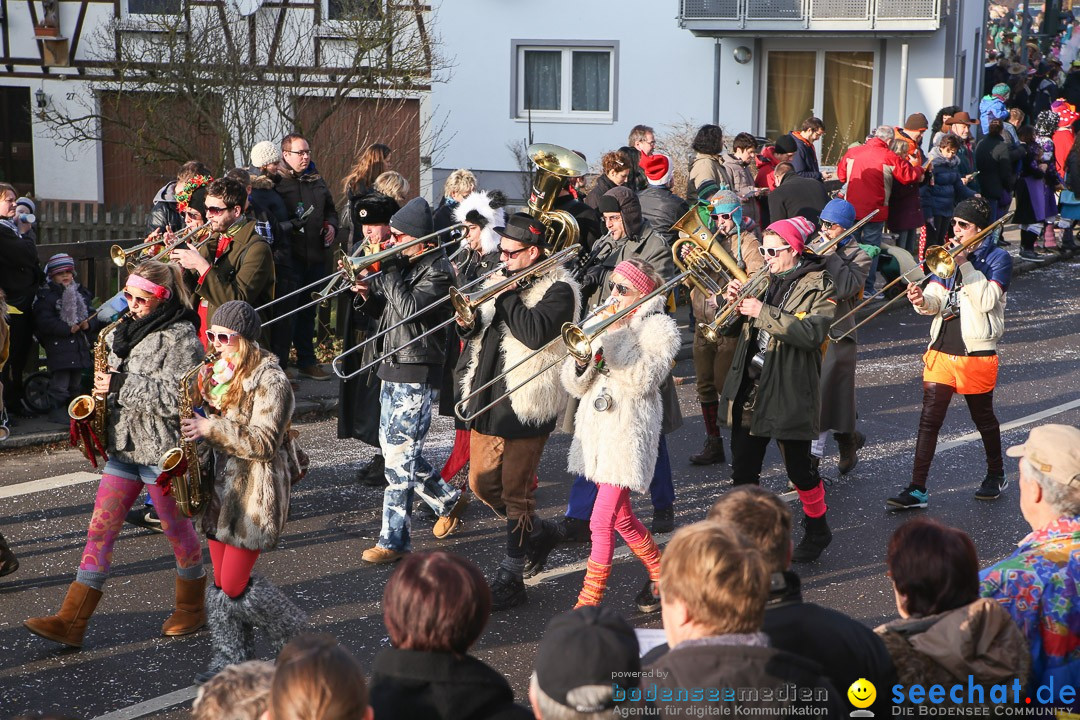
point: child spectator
(945, 189)
(239, 692)
(65, 328)
(317, 679)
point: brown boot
(68, 625)
(712, 453)
(190, 612)
(850, 444)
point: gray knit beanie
(414, 219)
(240, 317)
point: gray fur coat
(619, 446)
(254, 462)
(143, 417)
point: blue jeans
(871, 235)
(303, 336)
(908, 240)
(662, 489)
(403, 425)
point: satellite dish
(247, 7)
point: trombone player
(968, 311)
(506, 442)
(409, 281)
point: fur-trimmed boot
(8, 562)
(233, 639)
(189, 613)
(592, 591)
(68, 625)
(265, 606)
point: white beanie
(265, 152)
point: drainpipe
(717, 47)
(903, 81)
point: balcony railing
(710, 17)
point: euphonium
(92, 407)
(187, 485)
(701, 249)
(554, 166)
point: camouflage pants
(403, 425)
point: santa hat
(794, 231)
(486, 210)
(657, 168)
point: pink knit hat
(795, 231)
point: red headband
(159, 291)
(641, 282)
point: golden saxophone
(92, 408)
(182, 462)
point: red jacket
(870, 171)
(766, 174)
(1063, 142)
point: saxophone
(92, 408)
(182, 462)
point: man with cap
(740, 237)
(766, 394)
(358, 411)
(506, 441)
(781, 151)
(411, 375)
(586, 665)
(1038, 583)
(660, 207)
(992, 107)
(847, 265)
(795, 195)
(969, 320)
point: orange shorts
(967, 375)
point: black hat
(374, 208)
(414, 219)
(974, 210)
(524, 228)
(591, 647)
(785, 144)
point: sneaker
(991, 487)
(145, 517)
(663, 520)
(452, 521)
(539, 547)
(1032, 256)
(574, 530)
(507, 590)
(910, 497)
(648, 600)
(314, 372)
(382, 556)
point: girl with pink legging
(617, 424)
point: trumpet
(426, 309)
(758, 283)
(121, 256)
(939, 261)
(466, 305)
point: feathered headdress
(486, 210)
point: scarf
(72, 306)
(11, 224)
(216, 379)
(131, 332)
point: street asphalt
(127, 670)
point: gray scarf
(72, 306)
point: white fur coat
(619, 446)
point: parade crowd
(795, 252)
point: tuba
(91, 409)
(554, 166)
(702, 251)
(182, 462)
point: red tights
(232, 566)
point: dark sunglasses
(215, 210)
(222, 338)
(962, 224)
(503, 252)
(724, 216)
(618, 288)
(772, 252)
(825, 224)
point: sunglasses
(134, 300)
(962, 224)
(826, 225)
(215, 210)
(221, 338)
(503, 252)
(725, 216)
(193, 215)
(619, 288)
(772, 252)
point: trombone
(120, 256)
(939, 261)
(466, 304)
(758, 283)
(427, 308)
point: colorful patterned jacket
(1039, 585)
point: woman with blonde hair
(148, 351)
(318, 679)
(393, 184)
(617, 424)
(247, 428)
(459, 185)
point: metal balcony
(769, 17)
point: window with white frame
(153, 7)
(565, 82)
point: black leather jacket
(399, 292)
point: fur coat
(619, 446)
(143, 417)
(254, 462)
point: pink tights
(115, 496)
(232, 566)
(612, 512)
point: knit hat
(657, 168)
(916, 121)
(608, 204)
(724, 201)
(785, 144)
(794, 231)
(28, 203)
(240, 317)
(706, 190)
(839, 212)
(58, 263)
(414, 219)
(585, 652)
(1001, 90)
(974, 210)
(265, 152)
